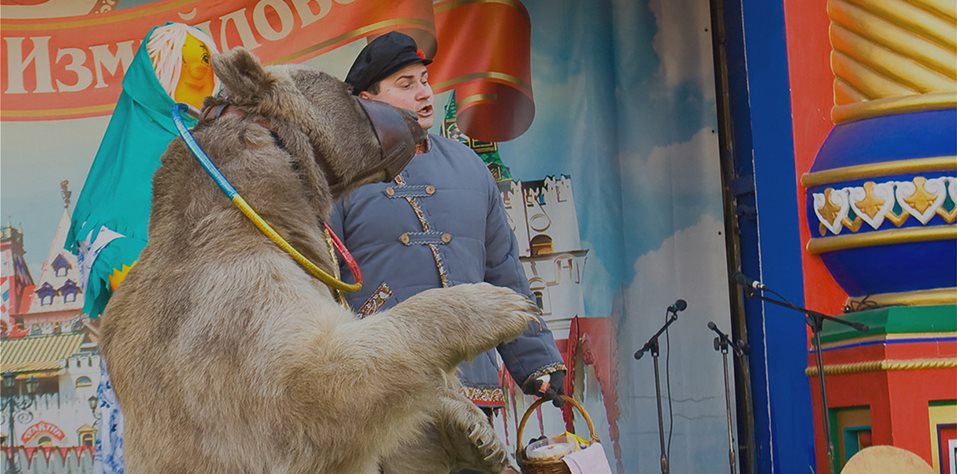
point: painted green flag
(109, 224)
(487, 151)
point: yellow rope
(301, 259)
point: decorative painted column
(881, 207)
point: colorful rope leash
(261, 224)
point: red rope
(346, 256)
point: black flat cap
(382, 57)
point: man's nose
(423, 92)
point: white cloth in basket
(590, 460)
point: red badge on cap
(420, 53)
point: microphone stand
(721, 344)
(815, 320)
(652, 346)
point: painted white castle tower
(542, 215)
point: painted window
(46, 294)
(48, 385)
(69, 291)
(540, 291)
(541, 245)
(60, 265)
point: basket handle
(538, 403)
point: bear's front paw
(509, 313)
(490, 450)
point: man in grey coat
(440, 223)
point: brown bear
(226, 356)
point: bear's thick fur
(226, 356)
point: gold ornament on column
(892, 56)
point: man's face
(409, 89)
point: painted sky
(629, 113)
(625, 104)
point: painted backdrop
(615, 96)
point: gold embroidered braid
(420, 214)
(884, 365)
(443, 276)
(548, 370)
(493, 396)
(376, 301)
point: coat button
(404, 238)
(446, 238)
(390, 191)
(430, 190)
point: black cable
(775, 293)
(671, 412)
(861, 305)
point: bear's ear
(243, 77)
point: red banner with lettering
(41, 427)
(72, 67)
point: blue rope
(198, 152)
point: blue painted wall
(766, 191)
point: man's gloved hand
(549, 387)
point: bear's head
(354, 141)
(290, 139)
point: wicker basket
(553, 465)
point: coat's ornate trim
(375, 302)
(548, 370)
(485, 396)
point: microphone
(652, 343)
(740, 347)
(744, 280)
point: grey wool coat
(440, 223)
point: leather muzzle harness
(397, 147)
(395, 137)
(392, 131)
